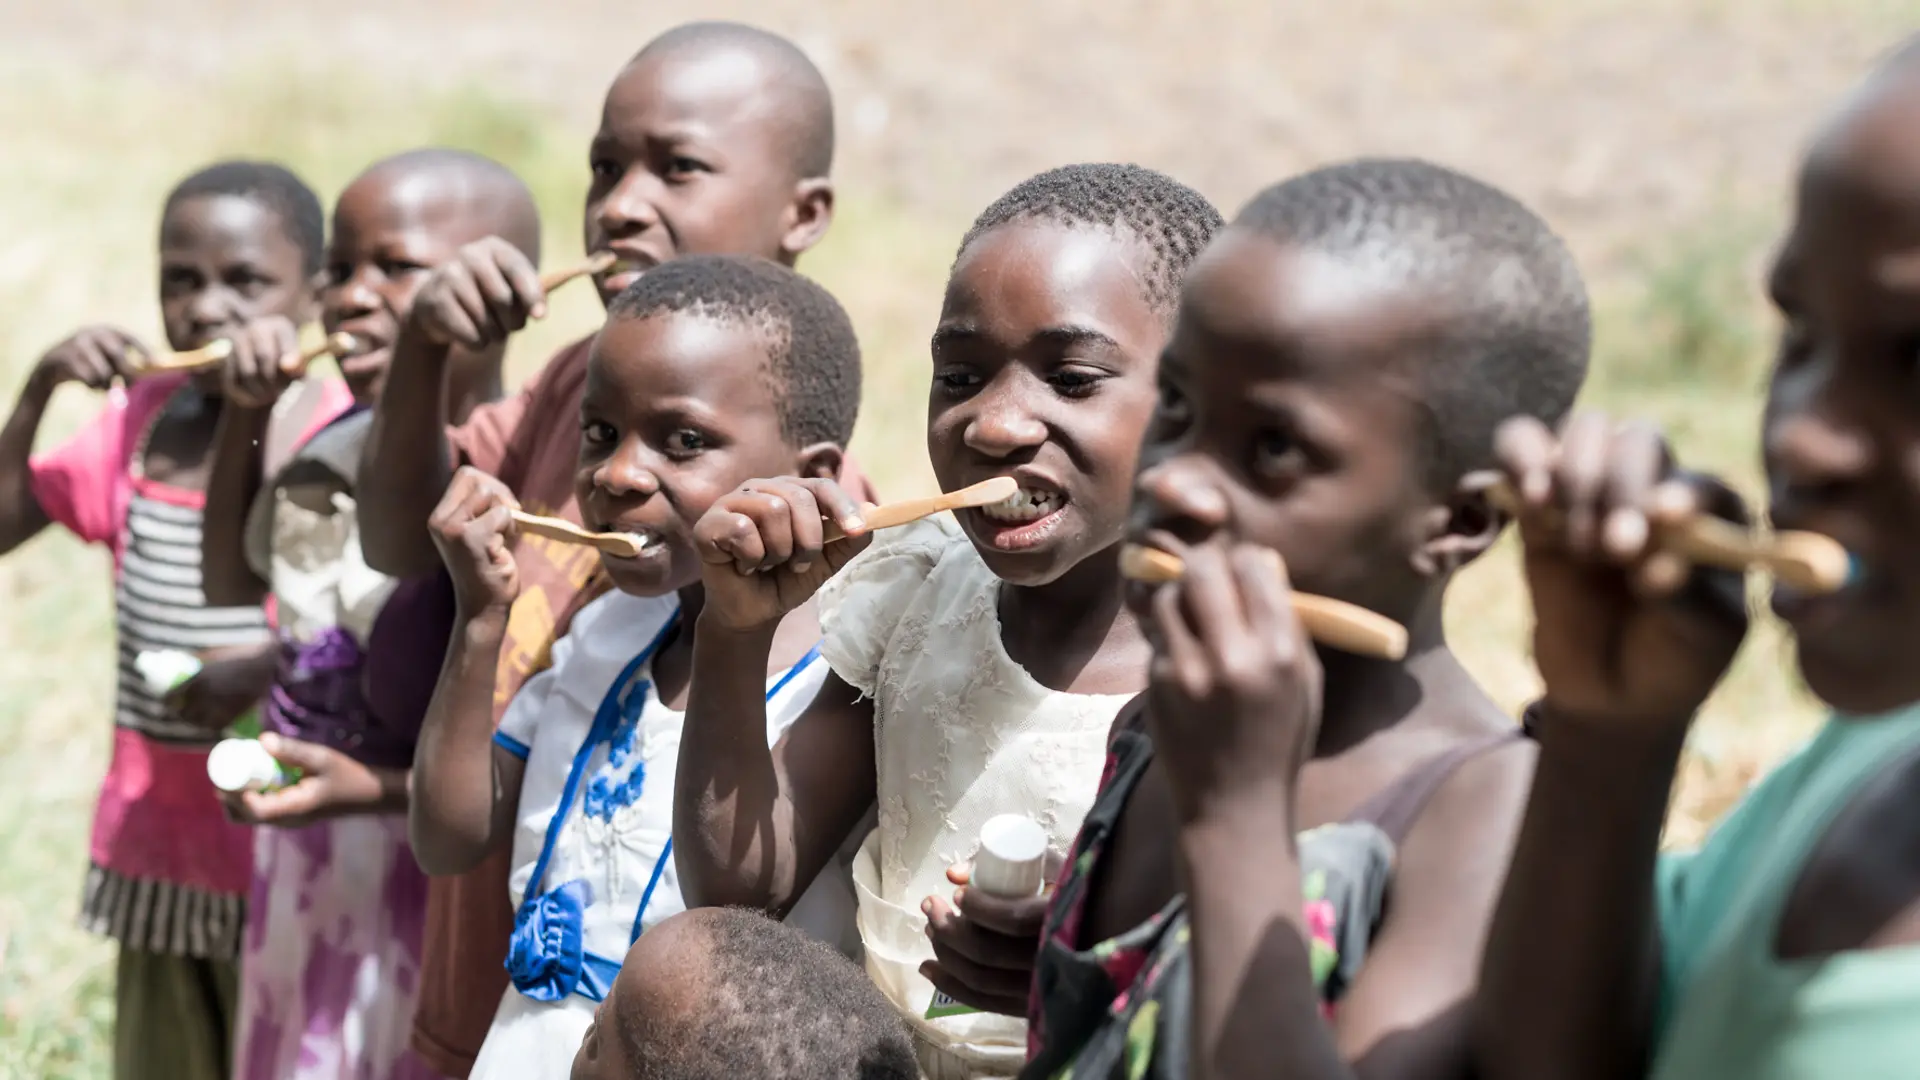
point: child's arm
(1629, 643)
(94, 357)
(253, 378)
(465, 787)
(753, 826)
(476, 300)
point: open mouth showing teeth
(1027, 504)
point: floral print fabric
(1121, 1008)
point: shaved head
(473, 196)
(805, 102)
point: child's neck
(1364, 696)
(1075, 633)
(672, 666)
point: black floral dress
(1121, 1008)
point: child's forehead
(1309, 308)
(224, 222)
(1036, 272)
(710, 92)
(681, 354)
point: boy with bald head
(727, 993)
(334, 920)
(716, 138)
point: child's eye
(399, 268)
(680, 165)
(955, 383)
(248, 283)
(177, 280)
(1074, 384)
(686, 443)
(1276, 453)
(338, 273)
(604, 169)
(598, 433)
(1173, 412)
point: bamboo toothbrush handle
(907, 511)
(1803, 560)
(1344, 626)
(593, 264)
(568, 533)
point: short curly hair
(1173, 221)
(778, 1005)
(813, 354)
(1518, 329)
(274, 187)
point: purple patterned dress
(330, 967)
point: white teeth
(1024, 505)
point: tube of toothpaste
(165, 669)
(245, 765)
(1011, 863)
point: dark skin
(229, 269)
(662, 984)
(391, 226)
(1043, 364)
(677, 413)
(1841, 439)
(1290, 423)
(692, 157)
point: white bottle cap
(239, 764)
(1012, 861)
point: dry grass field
(1658, 134)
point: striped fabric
(161, 607)
(161, 917)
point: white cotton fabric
(961, 734)
(550, 717)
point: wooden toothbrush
(907, 511)
(1348, 627)
(215, 353)
(626, 545)
(593, 264)
(1806, 561)
(877, 517)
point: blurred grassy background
(91, 149)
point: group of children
(707, 809)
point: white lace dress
(962, 733)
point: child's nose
(1001, 427)
(631, 206)
(355, 296)
(1177, 495)
(628, 471)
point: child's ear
(821, 461)
(1458, 532)
(808, 216)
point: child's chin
(643, 576)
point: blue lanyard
(624, 701)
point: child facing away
(709, 371)
(716, 138)
(240, 246)
(332, 949)
(977, 666)
(727, 993)
(1295, 852)
(1785, 946)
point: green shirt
(1728, 1007)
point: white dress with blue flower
(608, 872)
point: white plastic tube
(243, 765)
